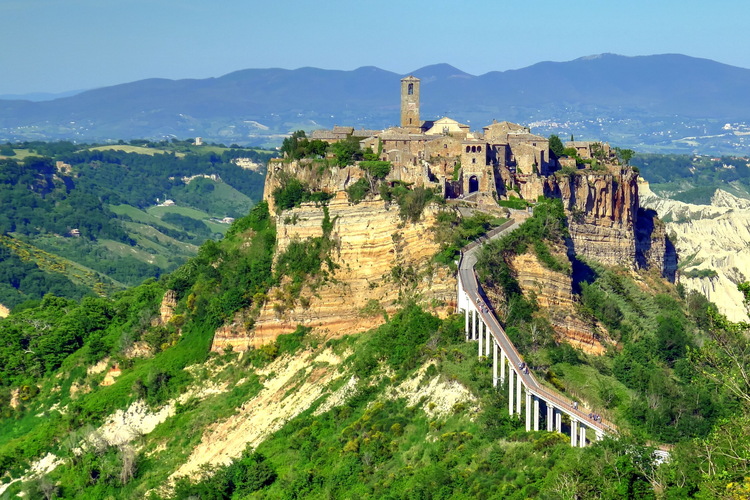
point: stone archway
(473, 184)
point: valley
(130, 212)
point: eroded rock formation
(605, 220)
(712, 241)
(554, 294)
(371, 240)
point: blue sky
(61, 45)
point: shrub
(358, 191)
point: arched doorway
(473, 184)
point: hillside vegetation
(694, 178)
(406, 410)
(83, 219)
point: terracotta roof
(324, 134)
(342, 130)
(365, 133)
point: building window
(468, 149)
(473, 160)
(445, 146)
(411, 89)
(479, 149)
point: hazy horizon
(83, 44)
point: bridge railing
(486, 237)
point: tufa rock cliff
(554, 294)
(378, 260)
(605, 220)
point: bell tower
(410, 104)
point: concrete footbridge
(524, 392)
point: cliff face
(605, 220)
(316, 175)
(379, 259)
(553, 292)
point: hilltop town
(373, 199)
(316, 348)
(497, 163)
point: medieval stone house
(445, 153)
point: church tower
(410, 104)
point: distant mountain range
(659, 102)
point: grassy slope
(52, 263)
(367, 447)
(133, 149)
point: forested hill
(648, 101)
(78, 220)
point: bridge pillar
(510, 393)
(476, 324)
(582, 437)
(488, 335)
(528, 411)
(466, 317)
(479, 333)
(494, 363)
(550, 417)
(573, 431)
(472, 329)
(558, 420)
(502, 367)
(518, 392)
(536, 413)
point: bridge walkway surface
(482, 325)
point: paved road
(471, 287)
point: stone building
(410, 105)
(446, 152)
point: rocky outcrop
(554, 294)
(166, 309)
(4, 311)
(378, 260)
(654, 249)
(315, 174)
(603, 209)
(605, 220)
(168, 303)
(712, 242)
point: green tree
(290, 146)
(625, 155)
(347, 151)
(556, 145)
